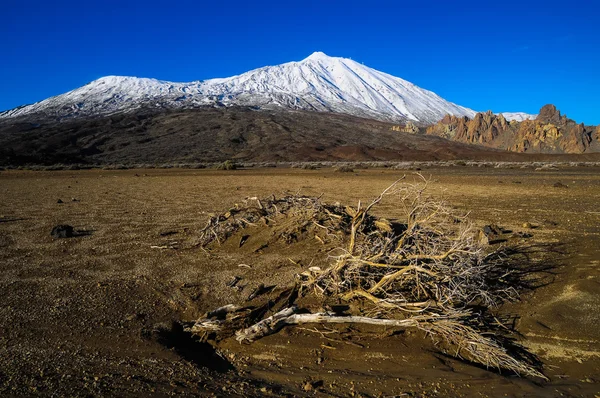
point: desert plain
(101, 313)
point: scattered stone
(312, 385)
(490, 234)
(59, 201)
(234, 281)
(74, 200)
(320, 359)
(521, 235)
(492, 229)
(62, 231)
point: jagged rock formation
(550, 132)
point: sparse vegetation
(227, 165)
(344, 169)
(405, 165)
(429, 272)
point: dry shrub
(344, 169)
(227, 165)
(547, 166)
(304, 210)
(305, 166)
(428, 270)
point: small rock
(59, 201)
(560, 185)
(492, 229)
(489, 234)
(234, 281)
(62, 231)
(312, 385)
(527, 225)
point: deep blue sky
(503, 55)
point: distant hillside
(213, 134)
(217, 134)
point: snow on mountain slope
(325, 83)
(518, 116)
(112, 94)
(319, 83)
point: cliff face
(551, 132)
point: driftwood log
(289, 316)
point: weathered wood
(222, 311)
(288, 316)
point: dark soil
(218, 134)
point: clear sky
(502, 55)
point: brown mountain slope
(242, 134)
(218, 134)
(551, 132)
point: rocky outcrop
(550, 132)
(410, 128)
(483, 129)
(578, 139)
(549, 114)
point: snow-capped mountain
(518, 116)
(319, 83)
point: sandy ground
(92, 315)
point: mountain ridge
(316, 83)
